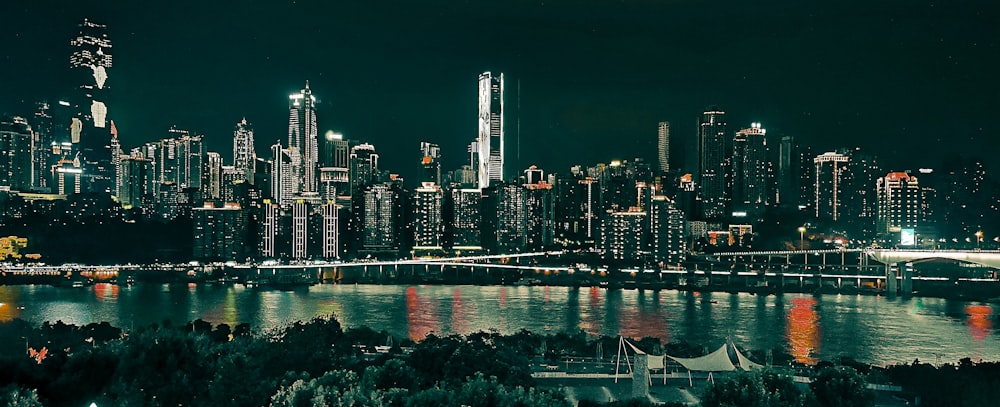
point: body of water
(871, 329)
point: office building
(212, 182)
(490, 142)
(428, 221)
(713, 151)
(899, 205)
(90, 63)
(302, 139)
(15, 153)
(220, 233)
(829, 186)
(663, 147)
(244, 156)
(622, 235)
(465, 219)
(750, 173)
(334, 170)
(364, 166)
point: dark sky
(908, 80)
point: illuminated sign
(907, 237)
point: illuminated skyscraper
(282, 177)
(212, 182)
(430, 164)
(465, 220)
(898, 204)
(302, 135)
(663, 146)
(829, 186)
(243, 151)
(750, 165)
(334, 166)
(220, 233)
(364, 165)
(713, 163)
(428, 224)
(622, 235)
(491, 129)
(15, 153)
(90, 62)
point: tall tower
(243, 152)
(15, 153)
(829, 186)
(663, 147)
(302, 135)
(713, 162)
(750, 189)
(898, 204)
(90, 62)
(491, 129)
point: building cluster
(316, 196)
(742, 179)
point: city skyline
(623, 90)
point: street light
(802, 236)
(979, 238)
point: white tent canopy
(745, 362)
(717, 361)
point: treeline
(317, 363)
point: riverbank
(980, 291)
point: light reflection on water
(871, 329)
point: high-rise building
(491, 129)
(750, 173)
(364, 165)
(898, 204)
(300, 229)
(829, 188)
(428, 222)
(270, 230)
(220, 233)
(212, 182)
(302, 137)
(622, 235)
(381, 215)
(713, 151)
(667, 233)
(465, 219)
(430, 164)
(663, 146)
(243, 150)
(283, 181)
(330, 242)
(539, 214)
(15, 153)
(512, 218)
(334, 166)
(136, 185)
(90, 62)
(786, 193)
(116, 162)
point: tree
(764, 388)
(840, 386)
(14, 396)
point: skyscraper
(663, 147)
(898, 204)
(430, 164)
(713, 151)
(243, 151)
(302, 135)
(334, 166)
(90, 62)
(491, 129)
(750, 181)
(786, 194)
(15, 153)
(829, 187)
(364, 165)
(428, 224)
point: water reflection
(979, 322)
(872, 329)
(803, 330)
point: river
(871, 329)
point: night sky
(908, 80)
